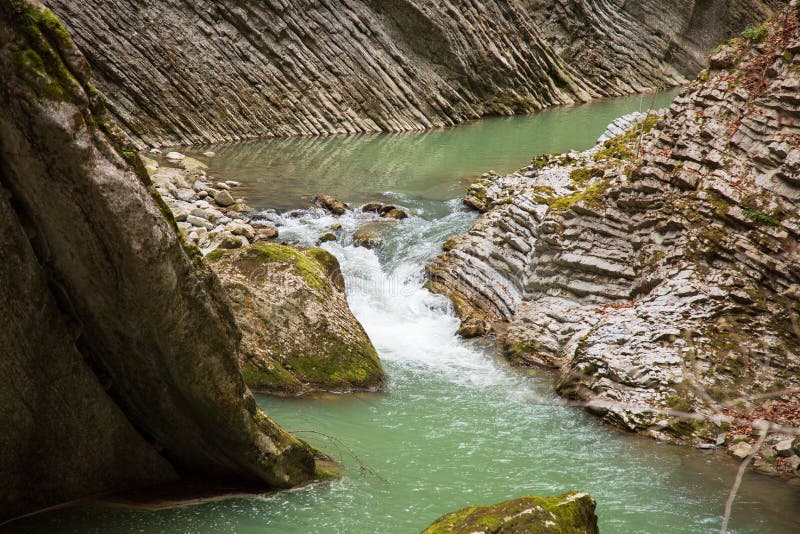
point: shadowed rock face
(206, 71)
(659, 269)
(119, 347)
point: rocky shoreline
(658, 271)
(298, 333)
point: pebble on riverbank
(206, 211)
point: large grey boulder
(119, 345)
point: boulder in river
(299, 334)
(333, 205)
(572, 513)
(371, 206)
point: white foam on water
(408, 324)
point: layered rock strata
(659, 270)
(119, 345)
(178, 72)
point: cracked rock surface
(659, 270)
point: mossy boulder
(299, 334)
(572, 513)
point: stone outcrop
(659, 270)
(118, 343)
(571, 513)
(182, 72)
(299, 334)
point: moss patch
(622, 146)
(305, 265)
(591, 195)
(566, 514)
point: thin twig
(740, 476)
(363, 467)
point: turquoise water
(455, 425)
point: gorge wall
(118, 343)
(659, 270)
(190, 72)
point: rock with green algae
(118, 343)
(572, 513)
(299, 334)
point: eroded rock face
(181, 72)
(659, 270)
(119, 345)
(299, 334)
(571, 513)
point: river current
(455, 426)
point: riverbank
(658, 271)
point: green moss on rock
(299, 334)
(572, 513)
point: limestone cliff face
(660, 269)
(177, 72)
(118, 344)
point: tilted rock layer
(118, 344)
(182, 72)
(299, 334)
(659, 270)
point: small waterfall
(409, 326)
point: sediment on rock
(299, 334)
(119, 344)
(178, 72)
(659, 270)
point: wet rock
(395, 213)
(572, 513)
(224, 199)
(333, 205)
(328, 236)
(175, 156)
(370, 235)
(371, 206)
(298, 332)
(386, 209)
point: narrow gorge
(194, 323)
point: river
(455, 426)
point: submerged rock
(299, 334)
(571, 513)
